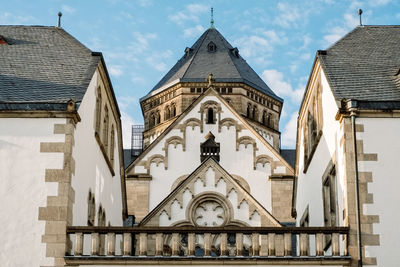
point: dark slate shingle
(43, 68)
(223, 64)
(364, 63)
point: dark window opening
(210, 116)
(198, 90)
(230, 90)
(211, 47)
(192, 90)
(248, 111)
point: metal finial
(359, 15)
(212, 18)
(59, 19)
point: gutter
(352, 106)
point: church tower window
(248, 111)
(173, 110)
(210, 116)
(167, 113)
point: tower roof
(212, 53)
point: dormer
(209, 148)
(211, 47)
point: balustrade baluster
(78, 244)
(127, 244)
(159, 244)
(224, 244)
(239, 244)
(110, 244)
(303, 244)
(335, 244)
(95, 244)
(271, 244)
(142, 244)
(175, 244)
(319, 246)
(288, 243)
(255, 244)
(191, 244)
(207, 244)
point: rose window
(209, 213)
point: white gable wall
(23, 188)
(91, 170)
(185, 162)
(309, 187)
(381, 136)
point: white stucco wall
(235, 162)
(23, 189)
(309, 187)
(381, 136)
(91, 170)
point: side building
(61, 161)
(347, 143)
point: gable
(176, 152)
(209, 197)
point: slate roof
(42, 68)
(364, 65)
(289, 155)
(224, 64)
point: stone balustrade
(207, 243)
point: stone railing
(138, 244)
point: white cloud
(198, 8)
(334, 35)
(156, 60)
(141, 42)
(190, 14)
(290, 131)
(193, 31)
(305, 56)
(289, 15)
(115, 70)
(275, 80)
(379, 2)
(67, 9)
(253, 46)
(7, 18)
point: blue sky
(142, 39)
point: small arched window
(158, 118)
(254, 115)
(105, 128)
(152, 120)
(248, 111)
(112, 145)
(269, 120)
(264, 118)
(167, 114)
(210, 116)
(98, 110)
(173, 110)
(91, 209)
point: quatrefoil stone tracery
(209, 213)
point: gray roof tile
(364, 63)
(43, 68)
(223, 64)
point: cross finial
(212, 18)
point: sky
(142, 39)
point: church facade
(212, 185)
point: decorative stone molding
(368, 237)
(215, 106)
(187, 188)
(175, 140)
(263, 159)
(57, 213)
(157, 159)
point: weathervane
(212, 18)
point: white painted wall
(185, 162)
(23, 189)
(309, 190)
(381, 136)
(91, 170)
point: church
(211, 185)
